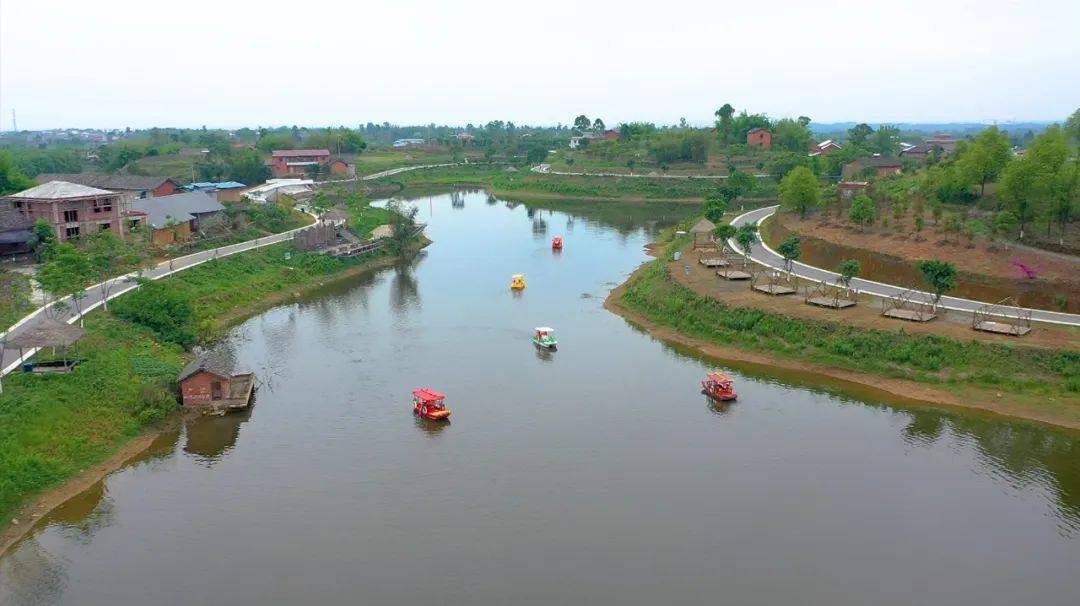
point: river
(595, 475)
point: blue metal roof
(210, 185)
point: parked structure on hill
(882, 166)
(759, 137)
(133, 187)
(71, 209)
(341, 167)
(296, 162)
(824, 148)
(225, 191)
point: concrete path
(764, 255)
(97, 294)
(545, 169)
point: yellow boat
(517, 281)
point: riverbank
(927, 368)
(524, 184)
(55, 428)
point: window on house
(72, 232)
(104, 226)
(71, 216)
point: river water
(595, 475)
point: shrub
(166, 311)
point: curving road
(762, 254)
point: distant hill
(954, 128)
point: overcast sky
(227, 63)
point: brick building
(759, 137)
(72, 210)
(133, 187)
(297, 162)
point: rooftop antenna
(14, 124)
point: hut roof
(48, 333)
(333, 215)
(214, 362)
(703, 226)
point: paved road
(96, 295)
(766, 256)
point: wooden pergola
(48, 333)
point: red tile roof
(288, 153)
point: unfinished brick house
(72, 210)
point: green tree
(885, 140)
(848, 269)
(746, 235)
(598, 125)
(582, 123)
(744, 122)
(724, 122)
(110, 256)
(724, 233)
(65, 272)
(800, 191)
(716, 204)
(45, 236)
(1020, 191)
(790, 249)
(402, 226)
(859, 133)
(1005, 223)
(791, 135)
(248, 167)
(11, 179)
(740, 184)
(1072, 127)
(863, 211)
(167, 311)
(985, 158)
(940, 277)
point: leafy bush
(166, 311)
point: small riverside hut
(333, 217)
(703, 233)
(209, 383)
(48, 333)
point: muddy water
(594, 475)
(1034, 293)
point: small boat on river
(556, 243)
(429, 404)
(517, 282)
(545, 338)
(718, 387)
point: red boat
(556, 243)
(429, 404)
(718, 387)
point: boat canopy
(544, 329)
(428, 395)
(518, 276)
(719, 378)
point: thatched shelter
(703, 233)
(48, 333)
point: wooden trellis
(772, 282)
(836, 296)
(996, 318)
(910, 305)
(716, 258)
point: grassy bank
(52, 427)
(1048, 379)
(524, 183)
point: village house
(133, 187)
(759, 137)
(849, 189)
(225, 191)
(71, 209)
(341, 167)
(882, 166)
(333, 218)
(919, 152)
(464, 138)
(824, 148)
(173, 219)
(209, 382)
(945, 141)
(16, 230)
(286, 162)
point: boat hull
(548, 346)
(432, 414)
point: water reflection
(718, 407)
(404, 291)
(429, 427)
(210, 438)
